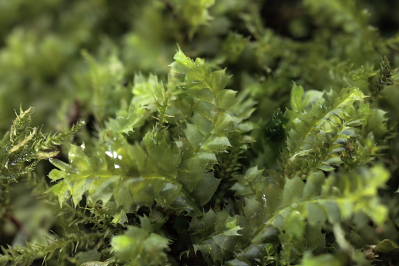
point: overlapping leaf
(328, 130)
(305, 208)
(189, 121)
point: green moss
(221, 132)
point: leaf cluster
(271, 140)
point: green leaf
(295, 225)
(387, 246)
(316, 214)
(217, 144)
(325, 259)
(293, 190)
(140, 247)
(297, 95)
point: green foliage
(24, 146)
(299, 209)
(271, 140)
(326, 131)
(140, 247)
(310, 260)
(195, 13)
(48, 249)
(189, 121)
(215, 235)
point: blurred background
(53, 53)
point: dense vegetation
(199, 132)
